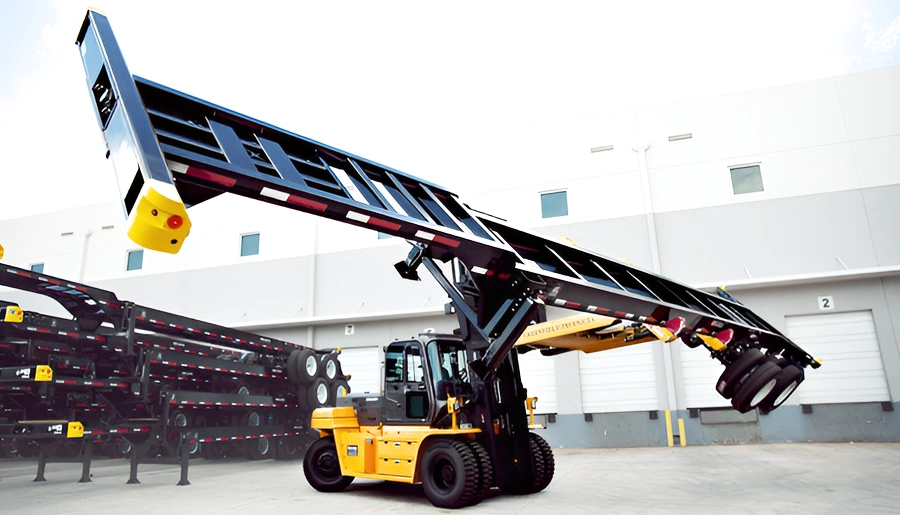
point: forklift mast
(171, 150)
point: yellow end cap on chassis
(43, 373)
(74, 430)
(1, 251)
(159, 220)
(13, 313)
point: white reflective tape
(275, 194)
(359, 217)
(424, 235)
(176, 167)
(592, 308)
(479, 270)
(559, 302)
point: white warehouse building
(790, 196)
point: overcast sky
(460, 93)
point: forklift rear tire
(785, 384)
(450, 474)
(737, 372)
(547, 461)
(322, 468)
(756, 387)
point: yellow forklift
(453, 411)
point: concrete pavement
(788, 478)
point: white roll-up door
(539, 378)
(852, 369)
(699, 374)
(363, 364)
(617, 380)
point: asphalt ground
(790, 479)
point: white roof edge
(337, 319)
(817, 277)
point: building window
(554, 204)
(746, 179)
(135, 260)
(250, 244)
(37, 268)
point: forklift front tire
(450, 474)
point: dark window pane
(135, 260)
(554, 204)
(746, 179)
(393, 364)
(250, 244)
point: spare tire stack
(318, 377)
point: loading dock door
(852, 369)
(699, 375)
(364, 365)
(618, 380)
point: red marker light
(675, 325)
(174, 221)
(725, 336)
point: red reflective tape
(445, 241)
(568, 304)
(139, 318)
(308, 204)
(23, 274)
(81, 289)
(619, 314)
(489, 273)
(384, 224)
(54, 281)
(42, 330)
(602, 311)
(200, 173)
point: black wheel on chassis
(548, 463)
(306, 366)
(450, 474)
(786, 383)
(485, 470)
(737, 372)
(292, 366)
(756, 387)
(319, 394)
(258, 448)
(322, 468)
(331, 367)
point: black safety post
(42, 464)
(86, 462)
(133, 480)
(185, 457)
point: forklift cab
(418, 376)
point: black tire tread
(788, 375)
(548, 461)
(485, 470)
(314, 480)
(734, 373)
(469, 493)
(751, 385)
